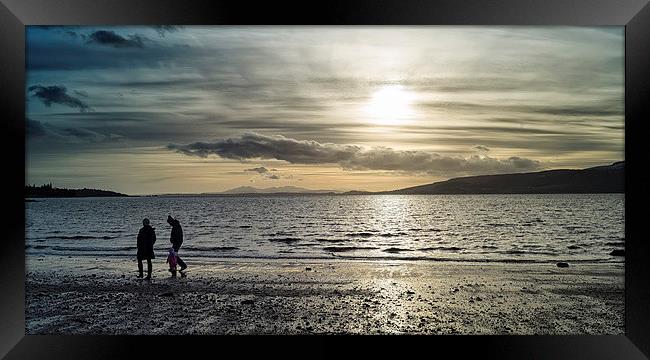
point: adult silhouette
(146, 239)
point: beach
(102, 296)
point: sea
(464, 228)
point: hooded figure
(176, 239)
(146, 239)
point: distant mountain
(276, 190)
(600, 179)
(46, 191)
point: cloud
(72, 34)
(162, 29)
(353, 157)
(110, 38)
(84, 135)
(482, 148)
(384, 158)
(602, 107)
(34, 128)
(58, 95)
(259, 170)
(69, 135)
(253, 145)
(264, 173)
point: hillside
(600, 179)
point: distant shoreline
(365, 194)
(32, 198)
(607, 179)
(49, 191)
(252, 195)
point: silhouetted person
(176, 239)
(146, 239)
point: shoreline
(289, 296)
(369, 259)
(217, 195)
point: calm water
(464, 228)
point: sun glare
(390, 105)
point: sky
(185, 109)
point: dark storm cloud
(352, 157)
(259, 170)
(58, 95)
(110, 38)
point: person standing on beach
(146, 239)
(176, 239)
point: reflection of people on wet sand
(176, 239)
(146, 239)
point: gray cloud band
(352, 157)
(35, 129)
(57, 94)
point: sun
(390, 105)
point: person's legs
(149, 268)
(181, 263)
(140, 267)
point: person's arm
(140, 239)
(153, 235)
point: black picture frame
(633, 14)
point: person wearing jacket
(176, 239)
(146, 239)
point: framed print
(464, 171)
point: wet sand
(241, 296)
